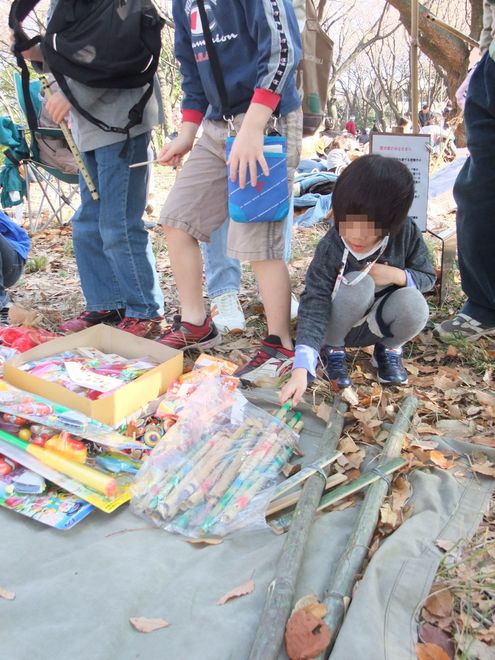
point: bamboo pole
(339, 592)
(280, 594)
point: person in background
(338, 155)
(350, 127)
(424, 115)
(14, 249)
(440, 138)
(474, 193)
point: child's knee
(412, 304)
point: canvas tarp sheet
(76, 590)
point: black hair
(377, 187)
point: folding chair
(56, 189)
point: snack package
(214, 471)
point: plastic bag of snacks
(213, 472)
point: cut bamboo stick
(351, 561)
(280, 594)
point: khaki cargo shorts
(197, 203)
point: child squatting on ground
(366, 281)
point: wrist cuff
(194, 116)
(265, 97)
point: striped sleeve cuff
(306, 358)
(265, 97)
(194, 116)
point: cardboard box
(114, 407)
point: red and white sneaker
(182, 335)
(87, 319)
(272, 360)
(147, 328)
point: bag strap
(18, 12)
(214, 61)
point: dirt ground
(454, 385)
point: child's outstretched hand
(295, 387)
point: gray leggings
(358, 319)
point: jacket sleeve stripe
(281, 63)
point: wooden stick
(351, 560)
(280, 594)
(64, 127)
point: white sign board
(412, 151)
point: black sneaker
(4, 316)
(388, 362)
(334, 363)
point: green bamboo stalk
(280, 594)
(351, 561)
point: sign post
(412, 150)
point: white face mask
(362, 255)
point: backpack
(108, 44)
(314, 71)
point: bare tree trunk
(444, 49)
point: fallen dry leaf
(306, 636)
(401, 492)
(349, 395)
(424, 444)
(439, 459)
(323, 411)
(20, 316)
(347, 445)
(440, 603)
(430, 651)
(237, 592)
(485, 468)
(429, 634)
(144, 625)
(445, 544)
(8, 595)
(312, 605)
(456, 428)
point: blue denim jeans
(222, 273)
(112, 247)
(474, 192)
(11, 267)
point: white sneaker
(294, 306)
(227, 313)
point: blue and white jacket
(259, 48)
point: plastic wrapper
(214, 472)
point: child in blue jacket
(258, 47)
